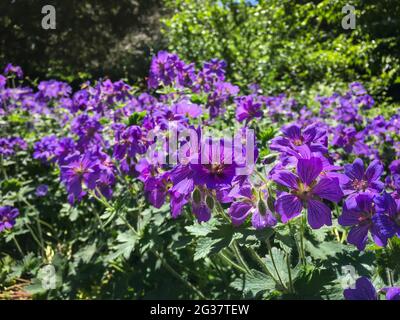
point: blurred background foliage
(284, 45)
(293, 46)
(92, 38)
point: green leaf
(86, 253)
(255, 283)
(280, 265)
(136, 118)
(127, 240)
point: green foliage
(292, 46)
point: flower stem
(239, 256)
(177, 275)
(273, 263)
(233, 264)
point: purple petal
(319, 214)
(358, 236)
(374, 171)
(355, 170)
(286, 179)
(239, 211)
(260, 221)
(288, 206)
(364, 290)
(309, 169)
(349, 217)
(393, 293)
(293, 132)
(329, 189)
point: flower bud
(196, 196)
(210, 202)
(262, 207)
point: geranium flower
(80, 170)
(42, 190)
(361, 180)
(307, 190)
(294, 137)
(248, 108)
(388, 217)
(365, 290)
(249, 204)
(362, 219)
(7, 217)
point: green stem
(18, 246)
(258, 259)
(302, 251)
(291, 287)
(233, 264)
(273, 262)
(177, 275)
(239, 257)
(261, 176)
(3, 169)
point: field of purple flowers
(130, 193)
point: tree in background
(287, 45)
(92, 38)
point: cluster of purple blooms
(8, 215)
(97, 144)
(9, 146)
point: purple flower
(357, 88)
(128, 142)
(394, 167)
(388, 215)
(8, 146)
(248, 108)
(54, 89)
(350, 140)
(88, 129)
(307, 191)
(164, 69)
(392, 293)
(80, 171)
(248, 204)
(187, 108)
(156, 189)
(364, 290)
(361, 180)
(215, 68)
(7, 217)
(3, 81)
(65, 148)
(294, 138)
(213, 170)
(362, 219)
(42, 190)
(44, 149)
(11, 69)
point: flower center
(298, 142)
(217, 168)
(79, 170)
(360, 184)
(304, 192)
